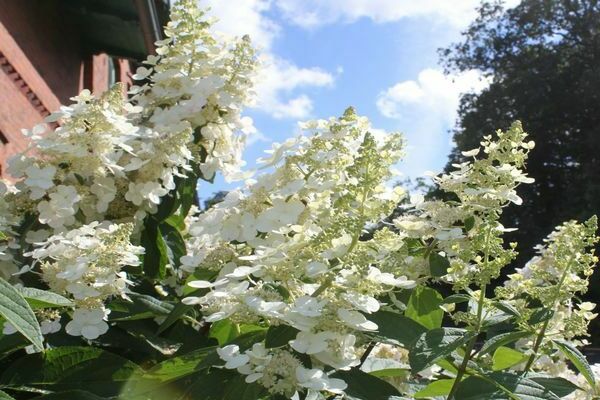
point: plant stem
(470, 346)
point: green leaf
(396, 327)
(5, 396)
(156, 251)
(178, 311)
(365, 386)
(559, 386)
(476, 388)
(469, 223)
(159, 378)
(578, 360)
(440, 387)
(43, 299)
(174, 241)
(211, 386)
(238, 389)
(507, 308)
(457, 298)
(280, 335)
(540, 315)
(15, 309)
(224, 331)
(424, 307)
(71, 368)
(187, 194)
(522, 387)
(505, 357)
(501, 340)
(390, 373)
(436, 344)
(438, 265)
(141, 307)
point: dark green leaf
(15, 309)
(280, 335)
(438, 265)
(578, 360)
(178, 311)
(501, 340)
(476, 388)
(156, 252)
(174, 241)
(141, 307)
(522, 387)
(143, 384)
(436, 344)
(365, 386)
(559, 386)
(396, 327)
(424, 307)
(469, 223)
(71, 368)
(540, 315)
(457, 298)
(507, 308)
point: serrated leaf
(559, 386)
(438, 265)
(280, 335)
(15, 309)
(38, 298)
(424, 307)
(501, 340)
(505, 357)
(396, 327)
(436, 344)
(364, 386)
(440, 387)
(522, 387)
(578, 360)
(71, 368)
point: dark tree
(544, 60)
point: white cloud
(277, 83)
(280, 82)
(426, 108)
(314, 13)
(433, 93)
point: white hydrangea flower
(88, 323)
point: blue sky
(380, 56)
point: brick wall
(41, 67)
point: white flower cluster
(86, 264)
(460, 228)
(90, 183)
(290, 248)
